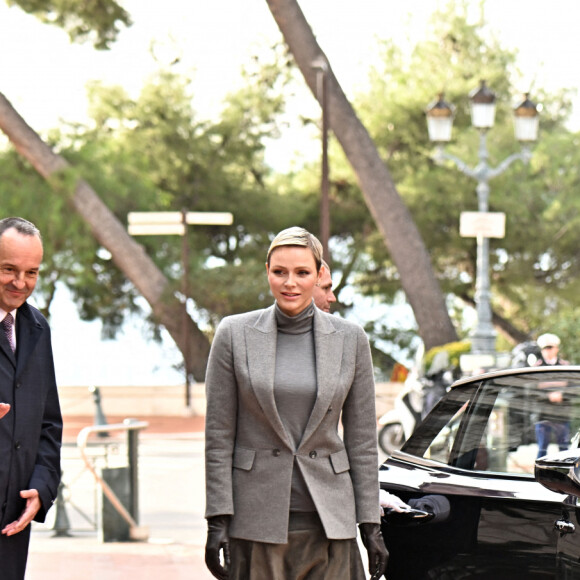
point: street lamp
(321, 67)
(439, 123)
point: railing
(132, 428)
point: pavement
(69, 545)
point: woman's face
(292, 275)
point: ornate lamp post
(439, 123)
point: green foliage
(534, 269)
(71, 255)
(153, 154)
(454, 351)
(96, 21)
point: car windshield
(503, 423)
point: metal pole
(484, 336)
(185, 291)
(133, 462)
(324, 186)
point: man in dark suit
(31, 422)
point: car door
(567, 530)
(477, 450)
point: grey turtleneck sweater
(295, 388)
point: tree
(526, 272)
(392, 217)
(151, 154)
(109, 232)
(534, 268)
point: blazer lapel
(328, 343)
(261, 341)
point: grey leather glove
(218, 539)
(378, 555)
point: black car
(488, 506)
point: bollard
(133, 464)
(99, 415)
(61, 522)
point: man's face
(20, 258)
(323, 294)
(550, 353)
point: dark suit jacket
(249, 455)
(31, 433)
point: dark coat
(31, 433)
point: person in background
(550, 348)
(284, 489)
(554, 415)
(31, 428)
(323, 294)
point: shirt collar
(3, 313)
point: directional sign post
(174, 223)
(473, 224)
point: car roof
(516, 371)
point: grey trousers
(308, 555)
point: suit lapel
(5, 347)
(328, 344)
(28, 331)
(261, 348)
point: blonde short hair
(297, 236)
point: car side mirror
(560, 472)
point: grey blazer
(249, 455)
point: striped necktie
(7, 325)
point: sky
(44, 77)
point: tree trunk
(388, 210)
(127, 254)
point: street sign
(143, 223)
(473, 224)
(160, 229)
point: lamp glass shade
(526, 121)
(526, 128)
(439, 128)
(482, 115)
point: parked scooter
(525, 354)
(418, 396)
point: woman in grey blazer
(291, 447)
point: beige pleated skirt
(308, 555)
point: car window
(501, 425)
(435, 436)
(442, 445)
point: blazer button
(17, 445)
(276, 452)
(313, 454)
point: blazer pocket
(244, 458)
(339, 461)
